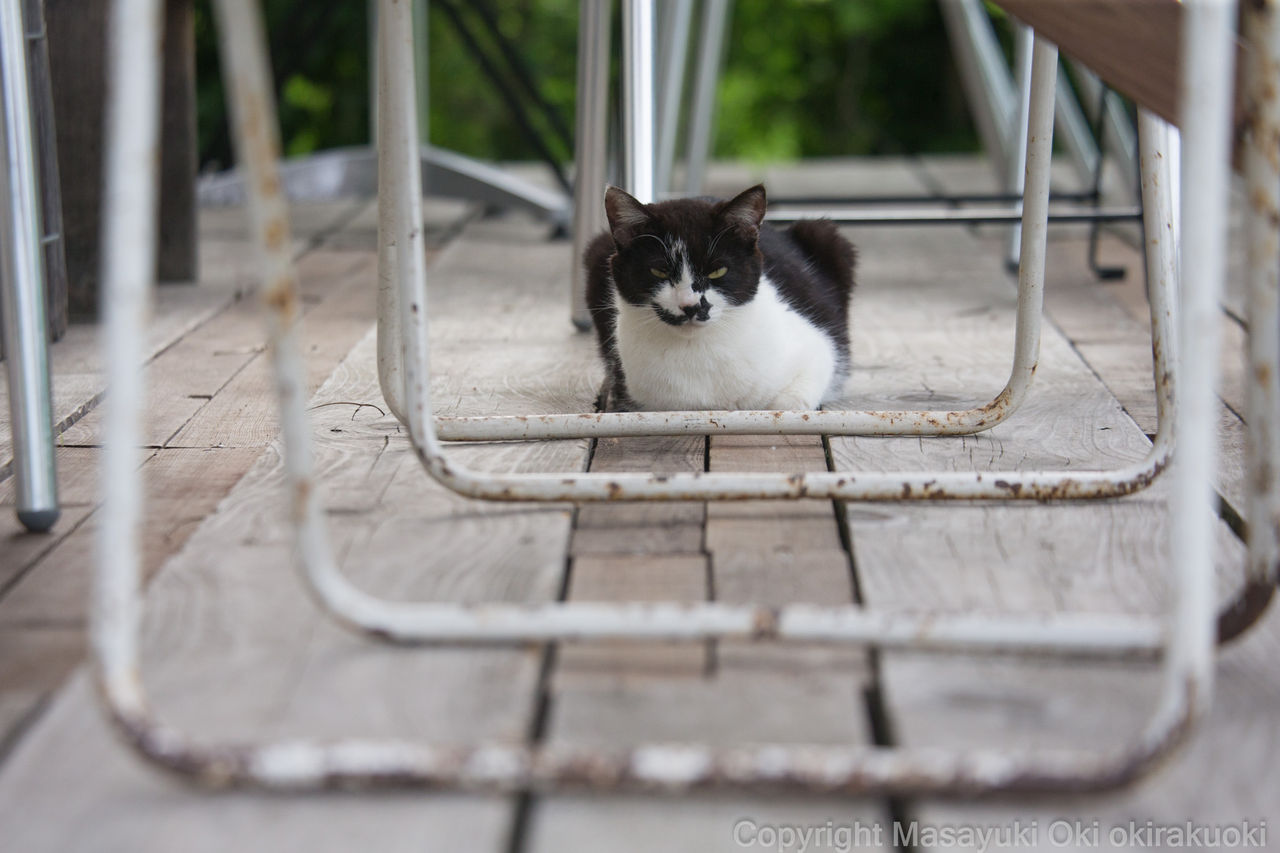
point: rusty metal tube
(658, 767)
(1261, 164)
(128, 272)
(1206, 85)
(1034, 232)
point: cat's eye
(718, 273)
(663, 274)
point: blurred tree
(803, 78)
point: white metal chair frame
(638, 108)
(1184, 635)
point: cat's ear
(745, 212)
(627, 216)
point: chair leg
(637, 99)
(310, 764)
(591, 144)
(1207, 72)
(702, 107)
(1016, 164)
(673, 53)
(128, 274)
(26, 335)
(1262, 173)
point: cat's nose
(700, 310)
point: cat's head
(688, 260)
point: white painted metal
(675, 17)
(988, 85)
(128, 272)
(301, 765)
(638, 102)
(702, 107)
(1077, 138)
(1016, 163)
(1262, 172)
(933, 211)
(846, 486)
(1117, 129)
(390, 346)
(1206, 85)
(26, 333)
(591, 145)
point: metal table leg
(26, 333)
(591, 150)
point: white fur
(673, 299)
(759, 355)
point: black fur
(810, 263)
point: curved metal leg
(26, 332)
(1045, 485)
(309, 764)
(1262, 172)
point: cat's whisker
(716, 239)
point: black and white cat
(696, 306)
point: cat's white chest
(760, 355)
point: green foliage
(802, 78)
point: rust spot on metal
(1244, 611)
(764, 623)
(282, 298)
(1013, 488)
(1258, 199)
(615, 490)
(301, 499)
(274, 234)
(270, 184)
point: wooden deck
(234, 649)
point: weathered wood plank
(338, 306)
(183, 486)
(638, 552)
(79, 495)
(76, 361)
(644, 528)
(234, 648)
(1104, 557)
(767, 553)
(34, 663)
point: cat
(697, 306)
